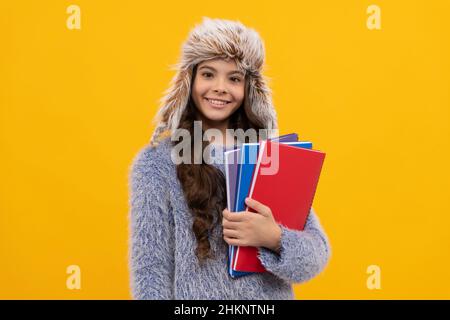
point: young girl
(180, 227)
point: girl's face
(218, 90)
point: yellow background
(76, 106)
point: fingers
(233, 216)
(235, 242)
(227, 224)
(258, 206)
(229, 233)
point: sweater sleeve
(303, 254)
(151, 243)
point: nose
(219, 86)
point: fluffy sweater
(162, 260)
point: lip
(216, 106)
(217, 99)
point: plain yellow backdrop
(76, 106)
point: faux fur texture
(162, 259)
(217, 38)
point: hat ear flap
(260, 101)
(173, 104)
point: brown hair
(203, 184)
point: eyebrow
(231, 72)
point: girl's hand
(252, 229)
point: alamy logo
(374, 280)
(74, 19)
(374, 19)
(188, 143)
(73, 281)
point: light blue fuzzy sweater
(162, 261)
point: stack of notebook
(281, 173)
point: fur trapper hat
(217, 38)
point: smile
(217, 103)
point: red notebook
(285, 179)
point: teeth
(217, 102)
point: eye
(235, 78)
(206, 73)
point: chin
(216, 117)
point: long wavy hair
(203, 184)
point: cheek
(239, 94)
(198, 91)
(200, 86)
